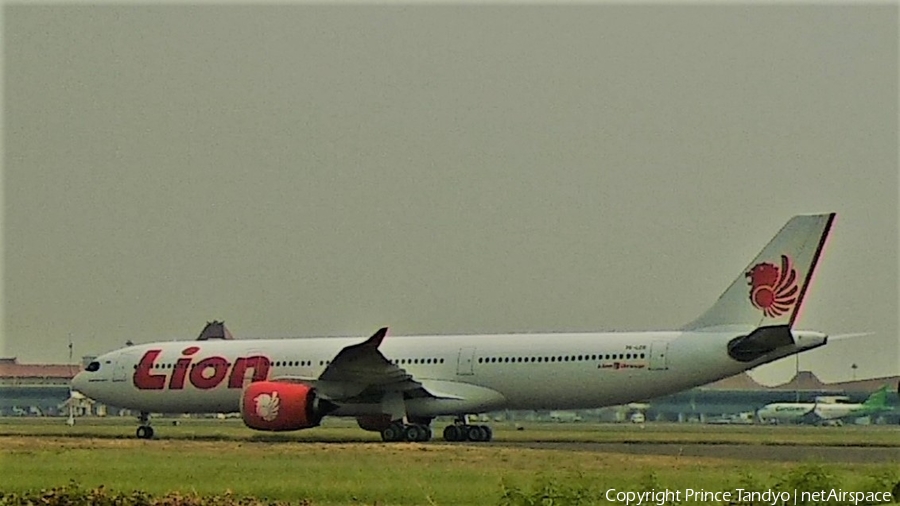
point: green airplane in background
(875, 404)
(823, 412)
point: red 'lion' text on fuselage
(205, 374)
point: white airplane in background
(396, 386)
(824, 411)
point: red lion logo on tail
(773, 290)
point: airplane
(823, 412)
(398, 385)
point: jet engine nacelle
(276, 406)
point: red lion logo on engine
(772, 289)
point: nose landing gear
(144, 431)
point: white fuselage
(517, 371)
(828, 411)
(785, 412)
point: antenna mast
(71, 401)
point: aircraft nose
(78, 382)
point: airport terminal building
(738, 394)
(34, 389)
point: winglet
(377, 337)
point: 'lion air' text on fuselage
(204, 375)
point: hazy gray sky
(326, 170)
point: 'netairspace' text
(773, 497)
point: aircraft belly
(581, 389)
(576, 390)
(220, 400)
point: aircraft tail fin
(878, 399)
(770, 291)
(215, 330)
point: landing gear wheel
(411, 433)
(476, 433)
(144, 432)
(393, 432)
(417, 433)
(465, 432)
(453, 433)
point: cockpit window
(93, 367)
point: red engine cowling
(274, 406)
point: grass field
(339, 464)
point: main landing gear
(144, 431)
(399, 431)
(462, 431)
(420, 432)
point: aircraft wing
(812, 417)
(361, 373)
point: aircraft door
(123, 366)
(658, 352)
(465, 366)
